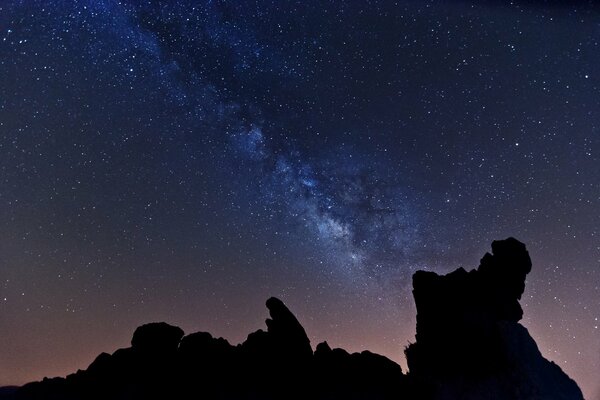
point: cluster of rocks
(469, 345)
(278, 363)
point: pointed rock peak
(279, 311)
(322, 348)
(281, 317)
(157, 336)
(101, 363)
(284, 327)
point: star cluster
(184, 161)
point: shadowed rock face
(469, 342)
(469, 346)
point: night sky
(183, 161)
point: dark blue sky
(183, 161)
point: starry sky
(183, 161)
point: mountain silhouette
(469, 345)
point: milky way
(184, 161)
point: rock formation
(341, 375)
(274, 364)
(469, 345)
(469, 342)
(158, 337)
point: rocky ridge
(469, 345)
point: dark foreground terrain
(469, 345)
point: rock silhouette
(469, 345)
(157, 337)
(469, 342)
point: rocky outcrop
(469, 342)
(469, 345)
(287, 335)
(285, 339)
(273, 364)
(364, 375)
(157, 337)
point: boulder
(156, 337)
